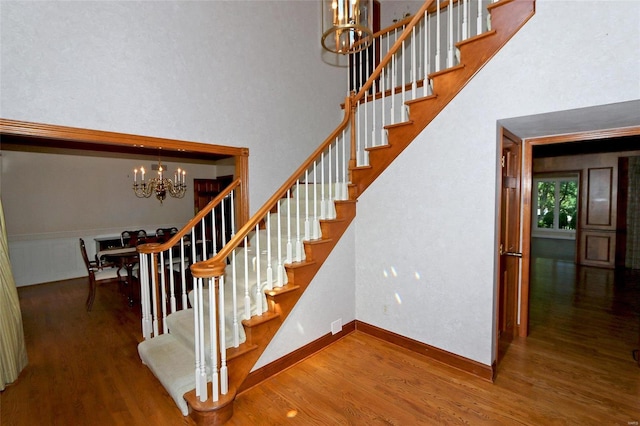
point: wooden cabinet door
(597, 241)
(205, 190)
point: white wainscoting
(37, 259)
(43, 260)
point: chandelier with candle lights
(160, 185)
(346, 25)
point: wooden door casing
(509, 244)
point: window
(556, 206)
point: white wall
(426, 229)
(53, 194)
(239, 73)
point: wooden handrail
(215, 265)
(396, 46)
(150, 248)
(401, 23)
(205, 269)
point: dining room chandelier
(160, 185)
(346, 25)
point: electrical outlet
(336, 326)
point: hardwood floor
(574, 368)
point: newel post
(150, 292)
(210, 403)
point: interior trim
(474, 368)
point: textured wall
(426, 229)
(231, 73)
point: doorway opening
(608, 128)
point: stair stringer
(260, 330)
(507, 17)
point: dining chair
(165, 234)
(133, 238)
(97, 273)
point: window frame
(555, 232)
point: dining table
(123, 257)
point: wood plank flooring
(574, 368)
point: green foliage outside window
(561, 196)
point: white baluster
(427, 53)
(232, 213)
(323, 201)
(247, 298)
(289, 240)
(203, 236)
(183, 273)
(223, 222)
(197, 306)
(307, 224)
(200, 343)
(154, 300)
(144, 297)
(193, 238)
(172, 284)
(163, 292)
(450, 35)
(330, 204)
(213, 339)
(414, 65)
(403, 83)
(280, 266)
(213, 232)
(259, 307)
(345, 191)
(298, 219)
(269, 267)
(479, 19)
(359, 156)
(234, 303)
(394, 80)
(224, 374)
(383, 111)
(437, 58)
(316, 223)
(371, 64)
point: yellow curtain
(13, 352)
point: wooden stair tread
(377, 147)
(242, 349)
(281, 290)
(317, 242)
(433, 96)
(475, 38)
(334, 220)
(446, 71)
(257, 320)
(400, 124)
(296, 265)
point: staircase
(215, 294)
